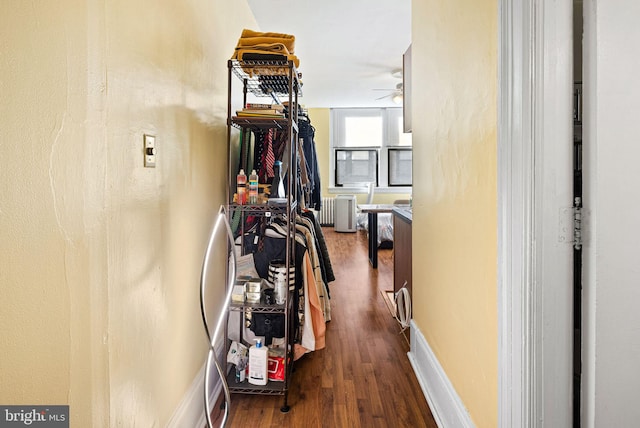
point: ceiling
(347, 48)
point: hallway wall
(100, 256)
(454, 116)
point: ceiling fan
(395, 94)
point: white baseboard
(446, 406)
(190, 412)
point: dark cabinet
(402, 249)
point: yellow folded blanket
(250, 33)
(267, 47)
(248, 42)
(259, 46)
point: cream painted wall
(100, 256)
(454, 49)
(42, 229)
(321, 118)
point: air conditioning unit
(344, 214)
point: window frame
(355, 149)
(398, 149)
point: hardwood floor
(363, 377)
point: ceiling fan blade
(383, 97)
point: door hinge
(577, 223)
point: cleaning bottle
(258, 363)
(253, 187)
(241, 182)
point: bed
(385, 220)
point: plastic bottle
(240, 371)
(241, 181)
(277, 187)
(280, 289)
(258, 364)
(253, 187)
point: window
(400, 164)
(368, 145)
(356, 166)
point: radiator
(325, 215)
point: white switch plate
(149, 151)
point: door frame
(535, 134)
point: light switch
(149, 151)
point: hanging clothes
(327, 268)
(303, 226)
(307, 133)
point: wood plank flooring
(363, 377)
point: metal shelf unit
(274, 80)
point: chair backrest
(372, 187)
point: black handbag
(267, 325)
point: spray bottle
(241, 181)
(253, 187)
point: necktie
(269, 157)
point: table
(372, 211)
